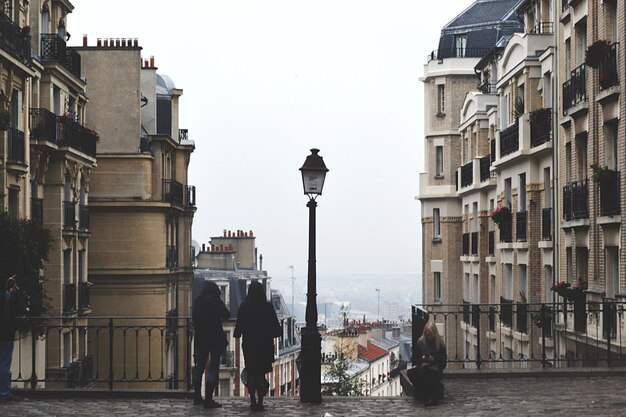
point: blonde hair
(432, 327)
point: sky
(264, 82)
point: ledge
(545, 244)
(608, 94)
(606, 220)
(567, 224)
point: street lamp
(313, 175)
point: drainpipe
(556, 203)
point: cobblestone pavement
(591, 396)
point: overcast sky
(265, 81)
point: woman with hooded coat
(257, 322)
(209, 342)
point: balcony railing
(183, 134)
(54, 49)
(228, 360)
(609, 183)
(69, 215)
(83, 217)
(476, 316)
(36, 210)
(506, 229)
(485, 163)
(43, 125)
(466, 311)
(540, 127)
(190, 200)
(467, 177)
(521, 315)
(466, 243)
(576, 201)
(16, 146)
(574, 89)
(521, 226)
(546, 223)
(171, 257)
(607, 71)
(492, 243)
(543, 27)
(609, 318)
(487, 87)
(444, 53)
(69, 298)
(83, 296)
(171, 323)
(71, 133)
(474, 236)
(509, 140)
(172, 191)
(15, 40)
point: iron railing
(443, 53)
(521, 334)
(487, 88)
(172, 191)
(607, 71)
(546, 223)
(609, 183)
(15, 40)
(543, 27)
(574, 89)
(509, 140)
(43, 124)
(576, 200)
(485, 163)
(54, 49)
(17, 146)
(183, 134)
(540, 127)
(36, 210)
(190, 200)
(70, 133)
(467, 174)
(521, 226)
(121, 352)
(506, 229)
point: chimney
(151, 61)
(224, 232)
(99, 42)
(251, 234)
(135, 42)
(395, 332)
(106, 43)
(84, 40)
(203, 248)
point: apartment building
(232, 262)
(448, 75)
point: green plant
(596, 52)
(518, 108)
(600, 173)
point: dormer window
(460, 45)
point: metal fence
(99, 352)
(575, 332)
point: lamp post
(313, 174)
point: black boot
(208, 397)
(259, 405)
(252, 402)
(197, 392)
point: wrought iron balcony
(36, 210)
(609, 318)
(487, 87)
(492, 243)
(69, 215)
(71, 133)
(443, 53)
(609, 183)
(476, 316)
(15, 40)
(172, 191)
(466, 311)
(546, 223)
(466, 243)
(509, 140)
(190, 200)
(16, 146)
(474, 237)
(467, 174)
(540, 127)
(83, 296)
(506, 230)
(43, 125)
(485, 163)
(521, 317)
(543, 27)
(576, 201)
(54, 49)
(83, 217)
(521, 226)
(183, 134)
(506, 312)
(171, 323)
(492, 317)
(575, 89)
(69, 298)
(607, 71)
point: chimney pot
(224, 232)
(135, 42)
(106, 43)
(99, 42)
(203, 248)
(251, 234)
(84, 40)
(152, 61)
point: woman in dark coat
(431, 359)
(258, 324)
(209, 342)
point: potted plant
(596, 53)
(601, 173)
(577, 291)
(501, 214)
(560, 287)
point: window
(522, 193)
(460, 44)
(581, 42)
(82, 266)
(547, 187)
(508, 194)
(523, 282)
(581, 157)
(475, 217)
(492, 289)
(476, 299)
(611, 259)
(466, 290)
(508, 281)
(568, 57)
(14, 203)
(437, 287)
(548, 273)
(441, 99)
(582, 263)
(439, 162)
(436, 225)
(67, 266)
(568, 264)
(610, 145)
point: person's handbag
(244, 377)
